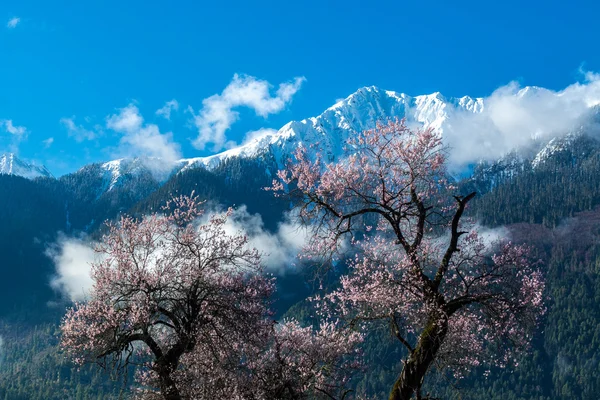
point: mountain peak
(10, 164)
(329, 131)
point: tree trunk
(415, 368)
(166, 364)
(168, 388)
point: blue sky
(78, 76)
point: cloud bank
(72, 258)
(513, 117)
(280, 248)
(218, 111)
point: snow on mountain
(553, 147)
(328, 132)
(117, 171)
(11, 165)
(588, 126)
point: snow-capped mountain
(11, 165)
(328, 132)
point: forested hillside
(552, 206)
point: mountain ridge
(10, 164)
(326, 133)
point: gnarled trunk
(167, 363)
(419, 361)
(168, 388)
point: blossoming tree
(451, 298)
(165, 285)
(189, 304)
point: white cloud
(280, 249)
(127, 120)
(16, 134)
(78, 131)
(48, 142)
(11, 128)
(13, 22)
(142, 139)
(258, 134)
(513, 117)
(217, 113)
(166, 110)
(72, 259)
